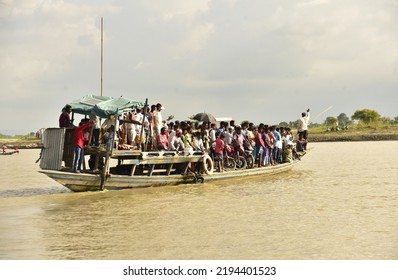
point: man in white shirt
(175, 141)
(158, 120)
(303, 126)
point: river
(340, 202)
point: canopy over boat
(103, 106)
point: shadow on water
(29, 192)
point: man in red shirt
(79, 145)
(162, 142)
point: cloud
(207, 53)
(175, 9)
(39, 38)
(312, 3)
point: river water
(340, 202)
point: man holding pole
(303, 127)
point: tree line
(364, 116)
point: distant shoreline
(351, 137)
(21, 143)
(333, 136)
(360, 134)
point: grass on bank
(356, 132)
(356, 128)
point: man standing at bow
(303, 127)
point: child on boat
(218, 157)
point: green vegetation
(366, 116)
(360, 131)
(331, 122)
(30, 136)
(365, 124)
(22, 141)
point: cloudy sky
(263, 61)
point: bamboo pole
(142, 125)
(102, 52)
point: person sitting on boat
(79, 145)
(187, 132)
(4, 148)
(175, 142)
(162, 142)
(122, 135)
(197, 142)
(65, 119)
(289, 136)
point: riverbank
(13, 143)
(355, 134)
(315, 135)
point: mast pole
(102, 52)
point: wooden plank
(169, 169)
(133, 169)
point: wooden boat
(137, 169)
(9, 153)
(91, 181)
(129, 168)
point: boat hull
(82, 182)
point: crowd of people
(144, 129)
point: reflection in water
(339, 203)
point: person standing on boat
(259, 150)
(79, 145)
(158, 119)
(96, 130)
(4, 148)
(219, 152)
(65, 119)
(303, 126)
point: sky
(256, 60)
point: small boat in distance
(120, 169)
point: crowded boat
(230, 145)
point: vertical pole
(102, 52)
(142, 125)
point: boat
(91, 181)
(113, 169)
(10, 153)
